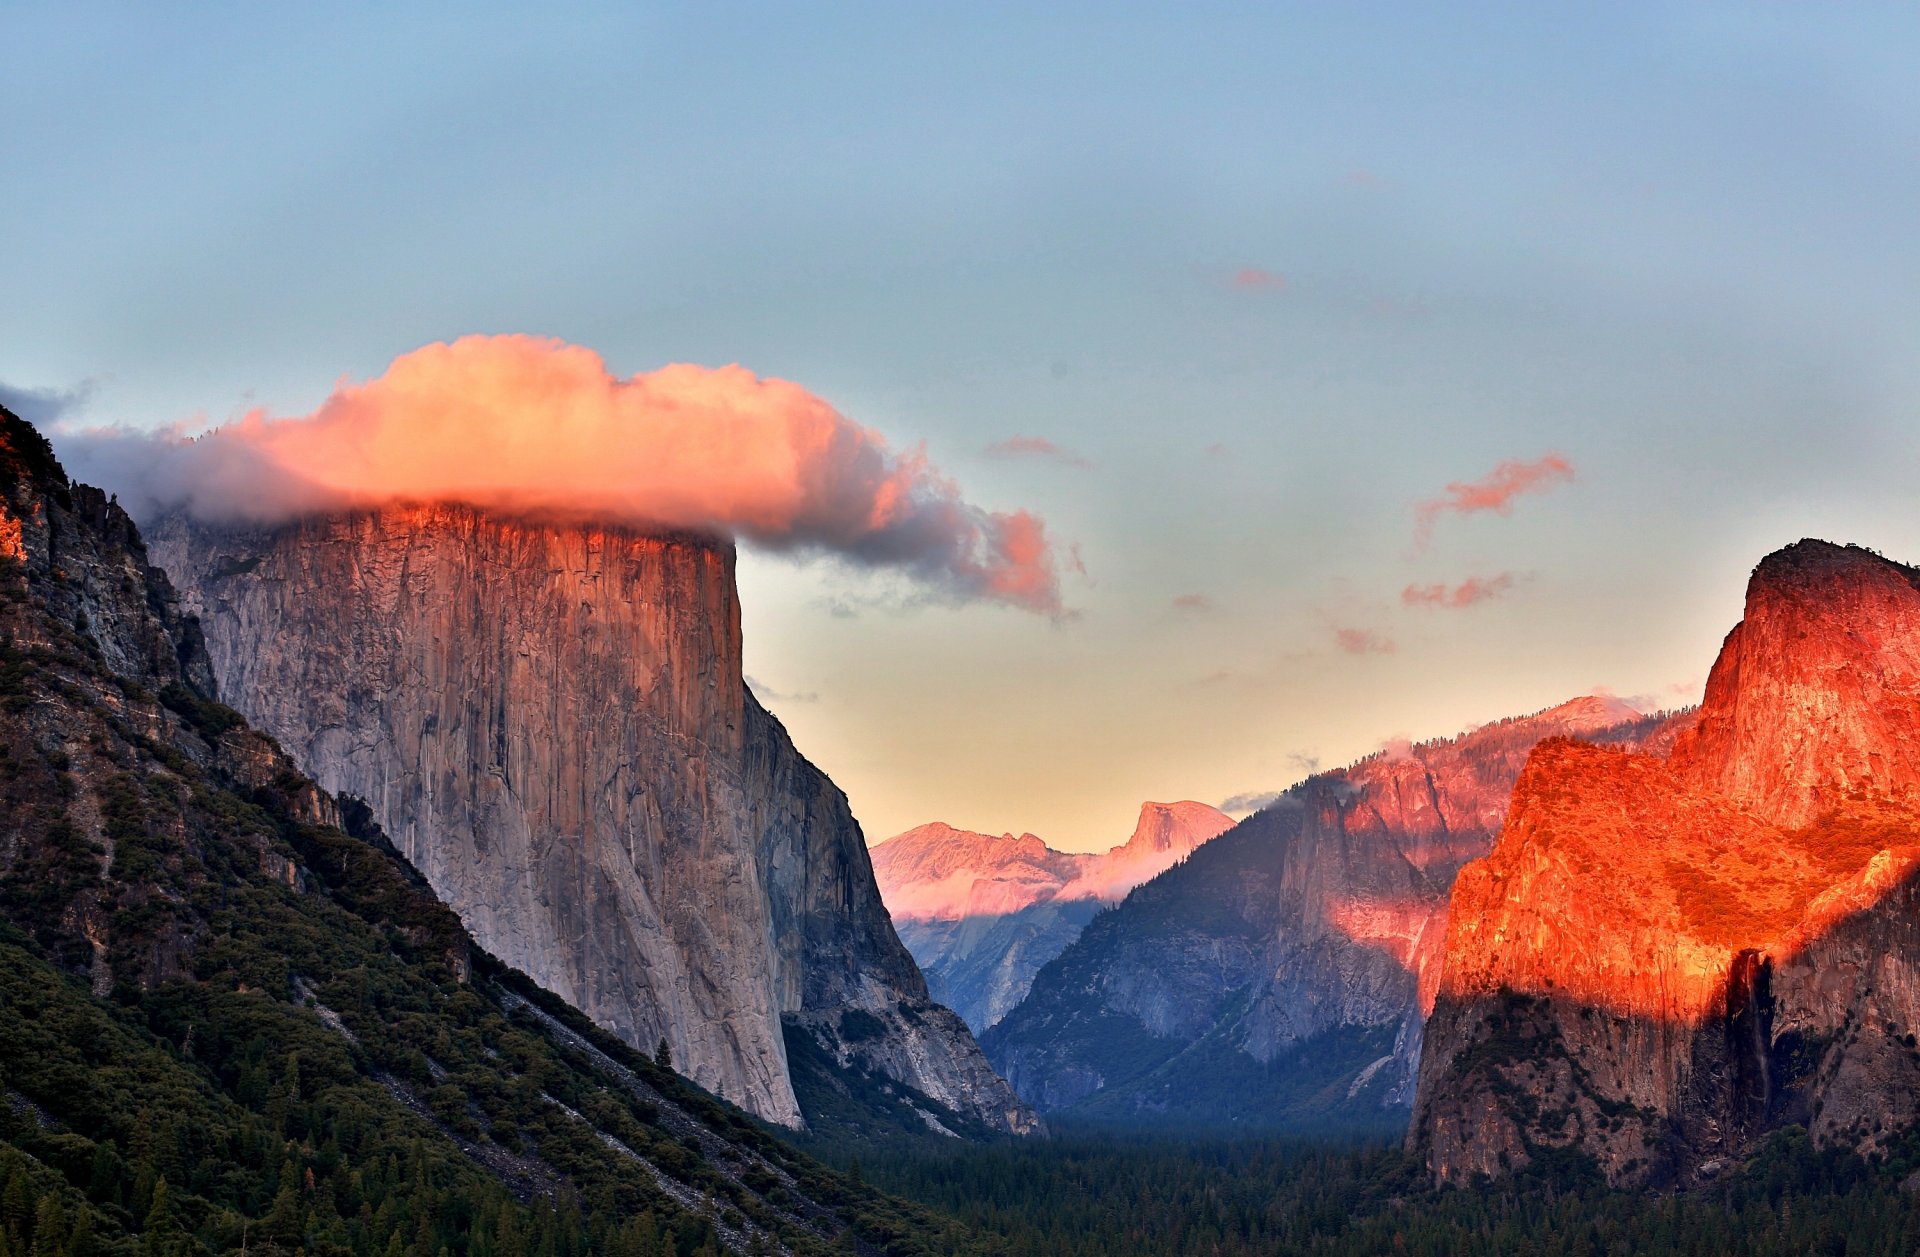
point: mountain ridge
(1300, 947)
(1664, 958)
(982, 914)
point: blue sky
(1674, 243)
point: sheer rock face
(982, 914)
(1311, 930)
(1664, 958)
(1813, 697)
(550, 721)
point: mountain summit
(1662, 959)
(982, 914)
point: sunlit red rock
(1662, 958)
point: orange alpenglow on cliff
(1720, 941)
(534, 426)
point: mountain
(1278, 976)
(550, 720)
(982, 914)
(1664, 958)
(227, 1022)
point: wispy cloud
(1452, 598)
(1493, 492)
(1258, 279)
(1251, 801)
(1192, 602)
(771, 695)
(43, 406)
(1363, 641)
(1036, 447)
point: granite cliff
(1280, 974)
(550, 720)
(1665, 957)
(229, 1019)
(982, 914)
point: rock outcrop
(550, 720)
(1663, 958)
(983, 914)
(1279, 975)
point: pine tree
(16, 1210)
(159, 1228)
(663, 1055)
(80, 1244)
(49, 1227)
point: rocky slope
(224, 1020)
(550, 720)
(983, 914)
(1663, 958)
(1279, 975)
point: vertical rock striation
(549, 719)
(1664, 958)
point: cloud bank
(537, 426)
(1454, 598)
(1493, 492)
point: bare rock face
(550, 721)
(982, 914)
(1663, 958)
(1280, 974)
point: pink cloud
(1259, 279)
(1193, 602)
(1465, 594)
(1493, 492)
(1035, 447)
(530, 425)
(1359, 641)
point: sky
(1375, 370)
